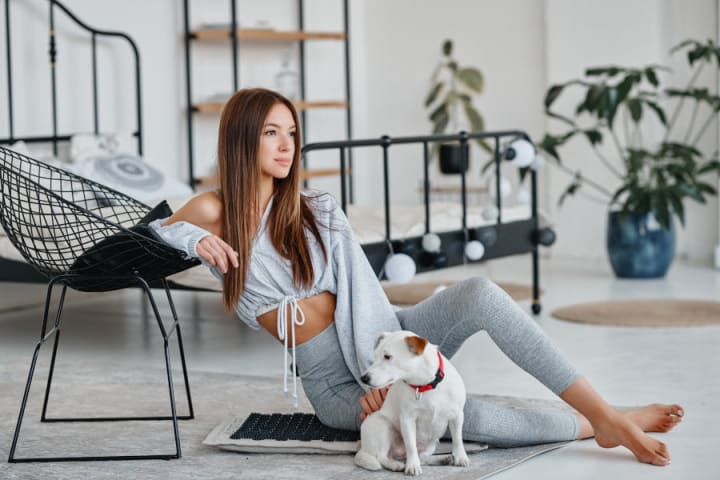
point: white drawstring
(282, 336)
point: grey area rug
(88, 390)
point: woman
(289, 263)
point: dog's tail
(367, 461)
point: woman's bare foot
(618, 429)
(656, 417)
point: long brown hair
(239, 137)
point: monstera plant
(654, 174)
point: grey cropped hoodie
(362, 309)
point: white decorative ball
(505, 187)
(538, 162)
(521, 153)
(399, 268)
(489, 212)
(431, 242)
(523, 196)
(474, 250)
(439, 289)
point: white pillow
(88, 145)
(130, 175)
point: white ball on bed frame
(399, 268)
(431, 242)
(522, 153)
(474, 250)
(489, 212)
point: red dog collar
(439, 375)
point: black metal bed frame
(21, 272)
(516, 237)
(15, 271)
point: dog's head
(399, 356)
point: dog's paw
(461, 460)
(413, 469)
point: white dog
(427, 395)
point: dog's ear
(379, 339)
(416, 344)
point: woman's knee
(472, 291)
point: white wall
(522, 46)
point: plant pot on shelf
(451, 158)
(638, 246)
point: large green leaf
(594, 136)
(611, 106)
(552, 94)
(440, 112)
(476, 121)
(471, 78)
(652, 76)
(661, 209)
(635, 107)
(571, 189)
(675, 199)
(432, 96)
(609, 71)
(709, 166)
(658, 111)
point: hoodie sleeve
(184, 236)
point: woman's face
(277, 143)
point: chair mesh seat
(64, 224)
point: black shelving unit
(235, 35)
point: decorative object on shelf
(287, 81)
(655, 173)
(452, 89)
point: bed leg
(536, 307)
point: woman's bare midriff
(319, 312)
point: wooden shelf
(215, 34)
(304, 175)
(216, 107)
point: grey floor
(629, 366)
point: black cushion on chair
(137, 251)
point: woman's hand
(372, 401)
(218, 253)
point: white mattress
(368, 223)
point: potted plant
(655, 176)
(451, 93)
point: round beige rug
(643, 313)
(412, 293)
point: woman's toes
(676, 410)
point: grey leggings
(447, 319)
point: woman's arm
(195, 229)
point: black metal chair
(86, 236)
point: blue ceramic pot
(638, 246)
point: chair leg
(174, 417)
(54, 353)
(191, 413)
